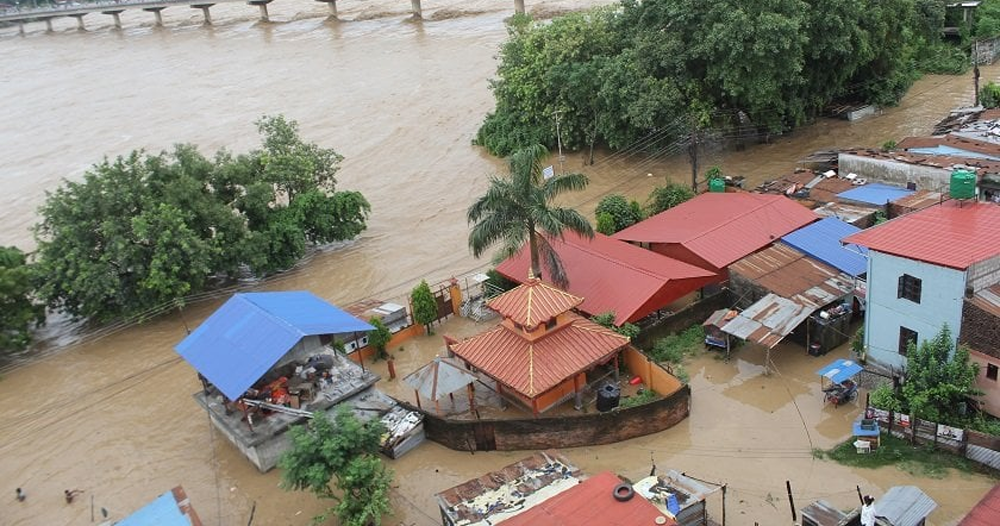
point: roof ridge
(272, 316)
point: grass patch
(916, 460)
(675, 347)
(642, 397)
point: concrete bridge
(115, 8)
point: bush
(643, 397)
(989, 95)
(675, 347)
(623, 213)
(666, 197)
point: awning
(769, 320)
(441, 377)
(840, 370)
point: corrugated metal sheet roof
(533, 367)
(919, 200)
(614, 276)
(440, 377)
(722, 227)
(533, 302)
(953, 234)
(791, 274)
(173, 508)
(845, 212)
(248, 334)
(875, 193)
(988, 299)
(821, 240)
(840, 370)
(591, 503)
(904, 506)
(987, 512)
(769, 320)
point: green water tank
(963, 184)
(716, 184)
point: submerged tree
(18, 313)
(517, 210)
(425, 310)
(339, 461)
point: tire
(623, 492)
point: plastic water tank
(608, 397)
(963, 184)
(716, 184)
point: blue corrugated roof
(875, 193)
(163, 511)
(840, 370)
(821, 240)
(248, 334)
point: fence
(979, 447)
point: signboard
(548, 172)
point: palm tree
(516, 209)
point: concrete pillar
(417, 11)
(262, 4)
(204, 11)
(20, 28)
(156, 11)
(79, 22)
(519, 7)
(48, 25)
(333, 7)
(116, 14)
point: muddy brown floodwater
(401, 100)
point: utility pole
(693, 155)
(559, 142)
(975, 70)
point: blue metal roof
(875, 193)
(163, 511)
(840, 370)
(942, 149)
(248, 334)
(821, 240)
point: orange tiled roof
(533, 303)
(533, 367)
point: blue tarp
(245, 337)
(875, 193)
(821, 240)
(163, 511)
(840, 370)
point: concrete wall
(305, 348)
(985, 273)
(653, 375)
(940, 302)
(895, 172)
(980, 330)
(991, 388)
(560, 431)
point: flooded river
(402, 101)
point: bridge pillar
(417, 11)
(48, 25)
(519, 7)
(156, 11)
(262, 4)
(205, 11)
(333, 7)
(116, 14)
(79, 22)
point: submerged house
(921, 268)
(540, 353)
(266, 365)
(172, 508)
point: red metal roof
(953, 234)
(533, 302)
(533, 367)
(615, 276)
(591, 503)
(987, 512)
(723, 227)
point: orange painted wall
(990, 388)
(653, 375)
(368, 352)
(557, 393)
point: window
(551, 324)
(909, 287)
(905, 337)
(991, 371)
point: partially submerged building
(539, 355)
(266, 365)
(172, 508)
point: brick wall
(559, 431)
(980, 330)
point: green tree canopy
(339, 461)
(666, 197)
(142, 231)
(425, 310)
(517, 208)
(379, 338)
(623, 213)
(18, 313)
(645, 72)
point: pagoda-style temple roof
(533, 303)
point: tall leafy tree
(939, 378)
(517, 209)
(425, 310)
(339, 461)
(18, 313)
(623, 213)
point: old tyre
(623, 492)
